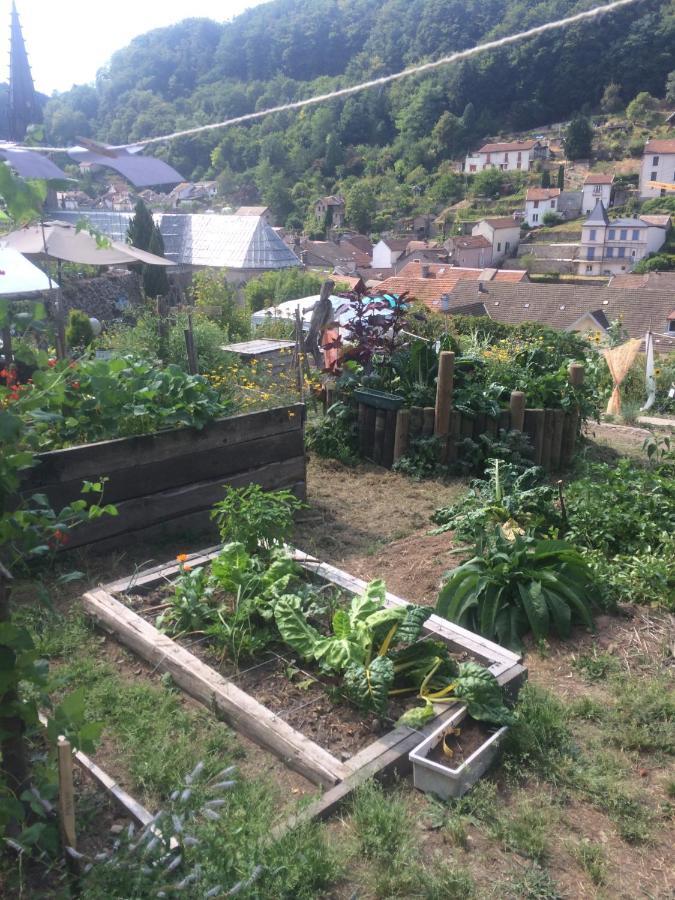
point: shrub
(79, 333)
(514, 586)
(335, 436)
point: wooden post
(576, 376)
(299, 352)
(547, 440)
(466, 427)
(453, 435)
(363, 418)
(389, 438)
(66, 793)
(369, 432)
(428, 421)
(193, 367)
(378, 440)
(444, 386)
(534, 422)
(402, 437)
(517, 407)
(416, 416)
(557, 438)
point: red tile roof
(502, 222)
(470, 242)
(508, 146)
(538, 193)
(660, 146)
(441, 280)
(598, 178)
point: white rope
(364, 85)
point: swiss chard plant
(378, 652)
(514, 586)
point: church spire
(24, 109)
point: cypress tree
(155, 280)
(561, 178)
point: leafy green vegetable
(369, 686)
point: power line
(375, 82)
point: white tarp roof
(287, 309)
(19, 276)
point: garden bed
(300, 718)
(175, 475)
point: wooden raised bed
(176, 474)
(244, 713)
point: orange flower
(181, 558)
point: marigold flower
(181, 558)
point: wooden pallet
(264, 727)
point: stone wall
(103, 297)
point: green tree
(155, 279)
(611, 98)
(79, 333)
(141, 227)
(579, 138)
(276, 287)
(487, 183)
(670, 87)
(560, 179)
(546, 179)
(360, 207)
(641, 108)
(216, 298)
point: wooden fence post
(557, 438)
(517, 406)
(378, 442)
(66, 793)
(416, 415)
(444, 386)
(402, 438)
(428, 421)
(534, 425)
(389, 438)
(547, 440)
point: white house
(539, 201)
(503, 235)
(511, 156)
(613, 246)
(257, 212)
(658, 164)
(597, 186)
(387, 251)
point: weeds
(540, 740)
(534, 883)
(380, 821)
(524, 828)
(591, 858)
(596, 666)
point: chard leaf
(417, 717)
(341, 626)
(368, 686)
(294, 628)
(368, 602)
(480, 690)
(411, 627)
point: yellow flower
(182, 557)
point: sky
(69, 41)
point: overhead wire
(364, 85)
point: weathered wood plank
(144, 512)
(209, 687)
(89, 461)
(153, 477)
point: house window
(592, 234)
(507, 246)
(623, 234)
(636, 234)
(535, 217)
(622, 252)
(655, 161)
(589, 268)
(518, 165)
(499, 246)
(653, 178)
(610, 251)
(552, 204)
(472, 168)
(633, 252)
(536, 204)
(611, 234)
(591, 253)
(671, 325)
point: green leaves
(368, 686)
(520, 585)
(480, 690)
(69, 719)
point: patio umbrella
(61, 240)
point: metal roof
(29, 164)
(141, 171)
(233, 242)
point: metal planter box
(434, 778)
(379, 399)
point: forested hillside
(384, 143)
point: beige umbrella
(62, 241)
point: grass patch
(524, 827)
(643, 717)
(540, 741)
(591, 858)
(533, 883)
(596, 666)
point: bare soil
(462, 742)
